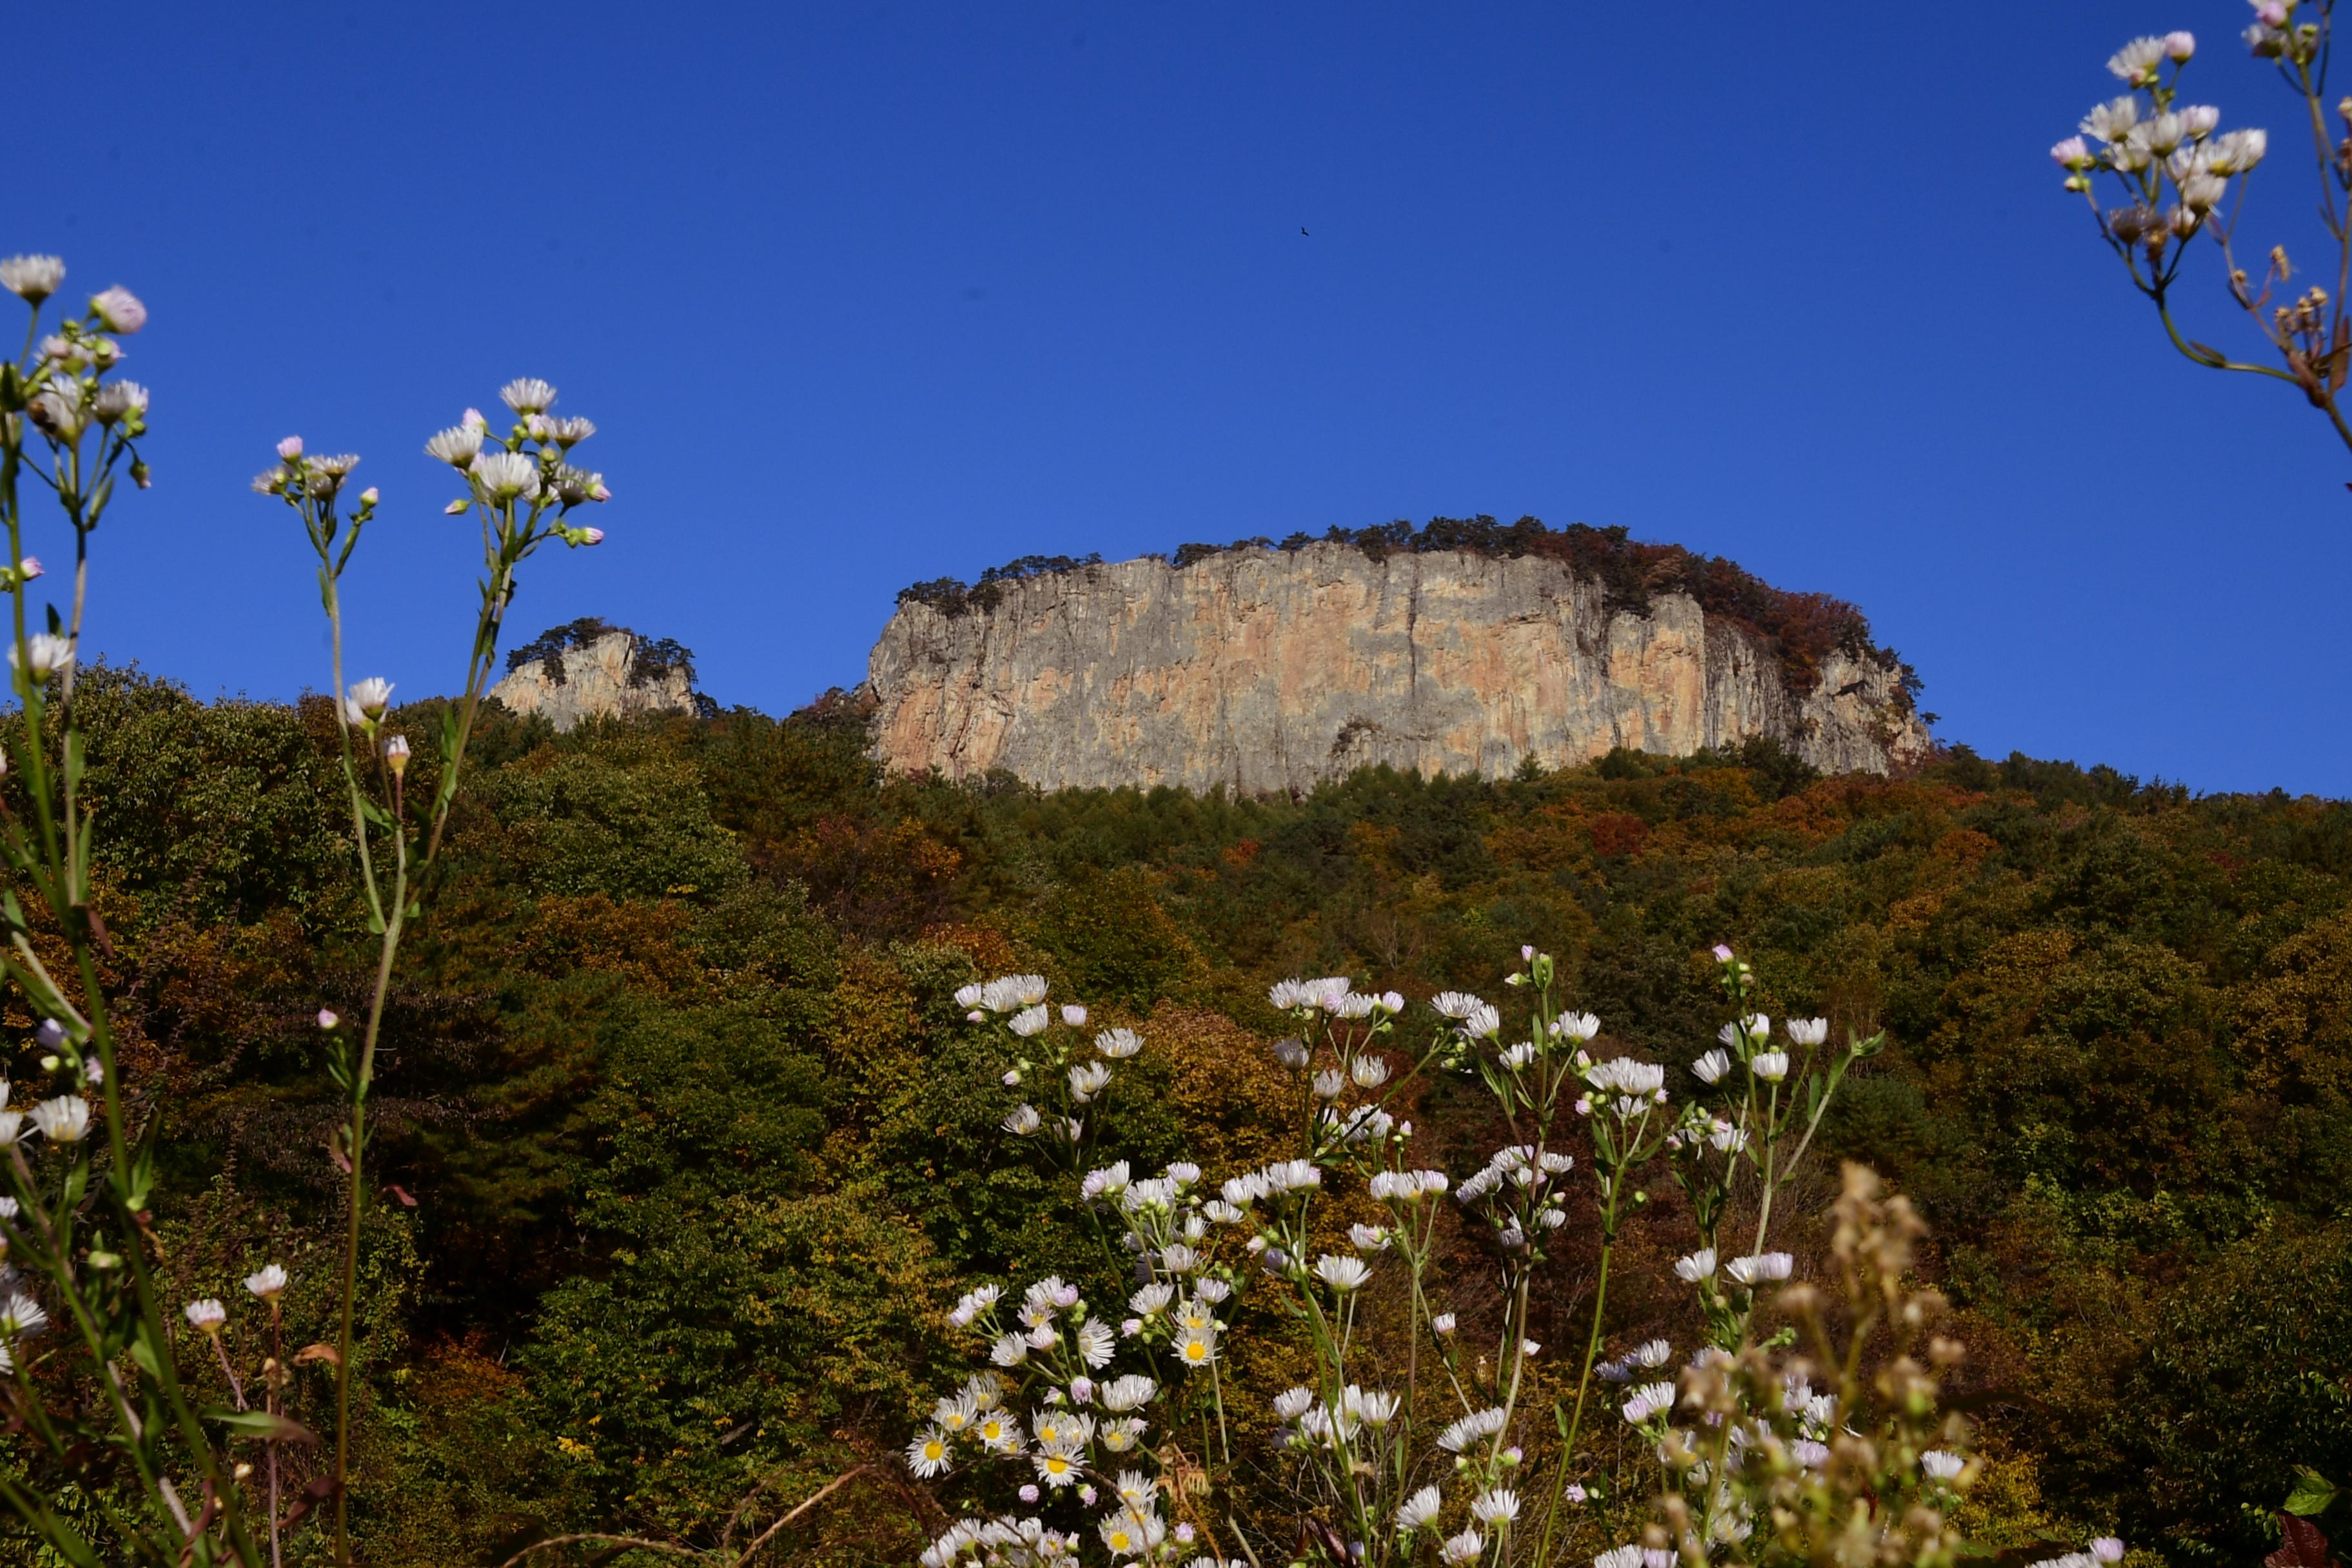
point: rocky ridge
(590, 669)
(1261, 669)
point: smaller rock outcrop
(593, 670)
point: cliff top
(1801, 629)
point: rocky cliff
(590, 669)
(1267, 669)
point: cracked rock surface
(1264, 670)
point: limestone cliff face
(1264, 670)
(601, 678)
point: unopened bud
(31, 567)
(327, 1019)
(592, 536)
(455, 508)
(289, 449)
(395, 755)
(368, 496)
(139, 473)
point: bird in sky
(1304, 231)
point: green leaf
(261, 1424)
(143, 1351)
(2313, 1492)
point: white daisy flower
(929, 1456)
(63, 1119)
(1418, 1510)
(1128, 1392)
(22, 1316)
(527, 395)
(505, 476)
(456, 446)
(32, 279)
(1342, 1273)
(1463, 1549)
(44, 654)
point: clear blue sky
(864, 294)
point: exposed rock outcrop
(589, 670)
(1264, 669)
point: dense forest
(688, 1150)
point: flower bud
(2178, 47)
(289, 449)
(369, 496)
(395, 756)
(118, 310)
(327, 1019)
(455, 508)
(140, 475)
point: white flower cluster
(1334, 995)
(1646, 1357)
(1746, 1040)
(2173, 160)
(67, 398)
(1019, 999)
(64, 1119)
(1518, 1193)
(1008, 993)
(1473, 1019)
(1056, 1346)
(2275, 34)
(530, 466)
(1625, 1087)
(1064, 1449)
(1359, 1414)
(2105, 1550)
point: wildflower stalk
(522, 488)
(90, 428)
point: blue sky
(864, 294)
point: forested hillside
(687, 1146)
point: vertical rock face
(1261, 670)
(607, 677)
